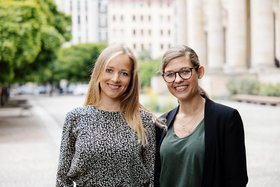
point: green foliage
(51, 38)
(30, 34)
(152, 101)
(245, 86)
(147, 69)
(19, 35)
(268, 89)
(253, 87)
(76, 62)
(145, 55)
(60, 22)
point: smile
(113, 86)
(180, 88)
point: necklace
(183, 128)
(190, 125)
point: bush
(154, 103)
(253, 87)
(270, 89)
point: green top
(182, 158)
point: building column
(277, 30)
(215, 36)
(181, 21)
(92, 21)
(236, 37)
(75, 25)
(196, 30)
(262, 35)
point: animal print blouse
(98, 148)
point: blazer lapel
(170, 116)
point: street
(29, 141)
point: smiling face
(115, 78)
(183, 89)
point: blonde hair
(130, 104)
(180, 51)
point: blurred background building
(145, 26)
(235, 39)
(89, 19)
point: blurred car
(80, 89)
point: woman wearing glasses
(203, 145)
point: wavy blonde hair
(130, 104)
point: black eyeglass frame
(179, 73)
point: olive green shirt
(182, 158)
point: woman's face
(115, 78)
(182, 89)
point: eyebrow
(120, 70)
(179, 69)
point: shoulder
(76, 111)
(215, 109)
(147, 117)
(215, 106)
(145, 114)
(79, 112)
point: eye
(124, 74)
(108, 70)
(169, 74)
(185, 72)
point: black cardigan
(225, 155)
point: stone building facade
(235, 39)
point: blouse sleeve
(235, 154)
(67, 150)
(149, 151)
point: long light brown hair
(130, 99)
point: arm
(235, 154)
(149, 150)
(67, 150)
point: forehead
(121, 61)
(178, 63)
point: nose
(178, 78)
(115, 77)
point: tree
(147, 69)
(31, 31)
(76, 62)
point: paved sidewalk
(28, 147)
(29, 141)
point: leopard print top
(99, 149)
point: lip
(113, 86)
(181, 87)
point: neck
(192, 106)
(109, 105)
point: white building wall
(87, 24)
(92, 23)
(142, 26)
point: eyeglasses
(184, 73)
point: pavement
(30, 139)
(29, 147)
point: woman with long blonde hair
(110, 141)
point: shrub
(253, 87)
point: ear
(200, 71)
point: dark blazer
(225, 155)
